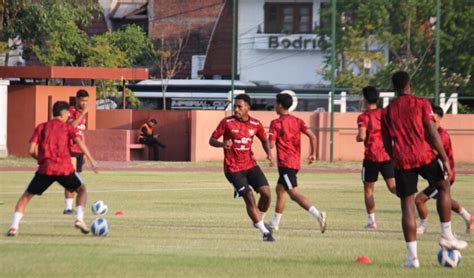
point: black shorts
(41, 182)
(371, 170)
(242, 181)
(287, 178)
(79, 161)
(407, 180)
(432, 192)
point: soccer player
(376, 158)
(240, 167)
(49, 145)
(408, 128)
(285, 134)
(431, 192)
(78, 119)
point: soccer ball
(99, 207)
(449, 258)
(100, 227)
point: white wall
(256, 62)
(3, 117)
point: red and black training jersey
(74, 114)
(286, 132)
(53, 139)
(374, 148)
(448, 148)
(403, 121)
(239, 157)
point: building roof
(37, 72)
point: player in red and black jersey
(432, 192)
(50, 145)
(240, 167)
(376, 158)
(285, 134)
(409, 133)
(78, 119)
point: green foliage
(51, 27)
(134, 42)
(52, 30)
(405, 27)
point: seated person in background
(147, 137)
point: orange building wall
(114, 119)
(28, 107)
(21, 118)
(460, 127)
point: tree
(51, 27)
(406, 27)
(123, 48)
(170, 61)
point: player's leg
(69, 196)
(406, 186)
(304, 202)
(434, 173)
(241, 185)
(388, 173)
(37, 186)
(19, 211)
(74, 183)
(279, 207)
(253, 213)
(420, 201)
(468, 218)
(370, 172)
(259, 182)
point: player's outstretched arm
(33, 150)
(86, 152)
(312, 143)
(437, 144)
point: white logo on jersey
(254, 123)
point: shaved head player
(240, 167)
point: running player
(431, 192)
(376, 158)
(285, 133)
(50, 147)
(240, 167)
(408, 124)
(78, 119)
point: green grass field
(188, 224)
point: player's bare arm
(75, 122)
(86, 152)
(437, 144)
(268, 150)
(218, 144)
(33, 150)
(361, 135)
(312, 143)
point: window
(288, 18)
